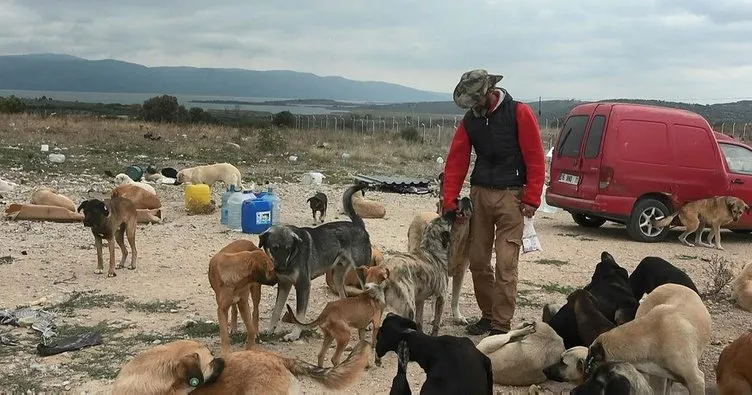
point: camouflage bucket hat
(473, 86)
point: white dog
(210, 174)
(124, 179)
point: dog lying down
(733, 373)
(570, 368)
(653, 272)
(123, 178)
(49, 197)
(614, 378)
(742, 288)
(452, 364)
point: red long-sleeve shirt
(531, 146)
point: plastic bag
(530, 241)
(544, 207)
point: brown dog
(233, 277)
(733, 373)
(261, 372)
(367, 208)
(110, 221)
(742, 288)
(49, 197)
(716, 211)
(351, 278)
(354, 312)
(168, 369)
(140, 197)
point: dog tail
(348, 205)
(308, 325)
(665, 221)
(337, 377)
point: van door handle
(737, 181)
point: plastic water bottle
(224, 209)
(235, 209)
(276, 204)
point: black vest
(499, 163)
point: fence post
(733, 129)
(744, 132)
(722, 126)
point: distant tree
(198, 115)
(284, 119)
(12, 105)
(163, 108)
(411, 135)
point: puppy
(653, 272)
(232, 276)
(303, 254)
(351, 280)
(570, 368)
(140, 197)
(733, 373)
(210, 174)
(354, 312)
(123, 178)
(261, 372)
(519, 357)
(174, 368)
(367, 208)
(742, 288)
(49, 197)
(452, 364)
(614, 378)
(590, 321)
(110, 221)
(421, 275)
(715, 211)
(318, 202)
(670, 332)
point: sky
(685, 50)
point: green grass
(552, 262)
(686, 257)
(87, 300)
(558, 288)
(163, 306)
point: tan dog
(233, 277)
(211, 174)
(352, 285)
(140, 197)
(519, 357)
(716, 211)
(733, 373)
(260, 372)
(123, 178)
(570, 367)
(367, 208)
(670, 332)
(111, 221)
(742, 288)
(49, 197)
(168, 369)
(355, 312)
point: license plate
(569, 179)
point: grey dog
(302, 254)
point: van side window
(593, 143)
(571, 136)
(739, 159)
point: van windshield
(738, 158)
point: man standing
(506, 183)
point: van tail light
(605, 177)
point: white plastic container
(312, 178)
(56, 158)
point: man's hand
(528, 210)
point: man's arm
(455, 168)
(531, 145)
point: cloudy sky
(688, 50)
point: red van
(628, 163)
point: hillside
(53, 72)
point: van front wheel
(640, 227)
(587, 221)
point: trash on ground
(56, 158)
(312, 178)
(71, 343)
(396, 184)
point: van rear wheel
(640, 227)
(588, 221)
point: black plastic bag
(72, 343)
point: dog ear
(605, 256)
(189, 369)
(263, 239)
(82, 206)
(295, 250)
(105, 209)
(730, 202)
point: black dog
(111, 221)
(610, 287)
(614, 378)
(653, 272)
(318, 203)
(453, 365)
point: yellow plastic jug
(197, 197)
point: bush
(284, 119)
(271, 140)
(410, 135)
(163, 108)
(12, 105)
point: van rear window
(570, 139)
(593, 143)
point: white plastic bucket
(312, 178)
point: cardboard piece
(59, 214)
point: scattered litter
(439, 160)
(45, 147)
(544, 207)
(7, 341)
(71, 343)
(345, 155)
(550, 153)
(293, 158)
(7, 186)
(169, 172)
(56, 158)
(36, 319)
(167, 180)
(6, 260)
(234, 145)
(312, 177)
(396, 184)
(530, 241)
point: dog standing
(452, 364)
(111, 221)
(211, 174)
(318, 203)
(733, 373)
(351, 280)
(233, 277)
(303, 254)
(715, 211)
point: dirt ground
(169, 297)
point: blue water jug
(235, 209)
(223, 211)
(257, 215)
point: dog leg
(120, 238)
(234, 318)
(376, 325)
(691, 225)
(459, 319)
(111, 247)
(250, 330)
(313, 211)
(695, 382)
(100, 261)
(256, 298)
(302, 292)
(224, 335)
(717, 231)
(419, 304)
(322, 216)
(342, 335)
(328, 339)
(283, 291)
(438, 311)
(340, 267)
(130, 232)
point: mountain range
(57, 72)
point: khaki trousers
(496, 221)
